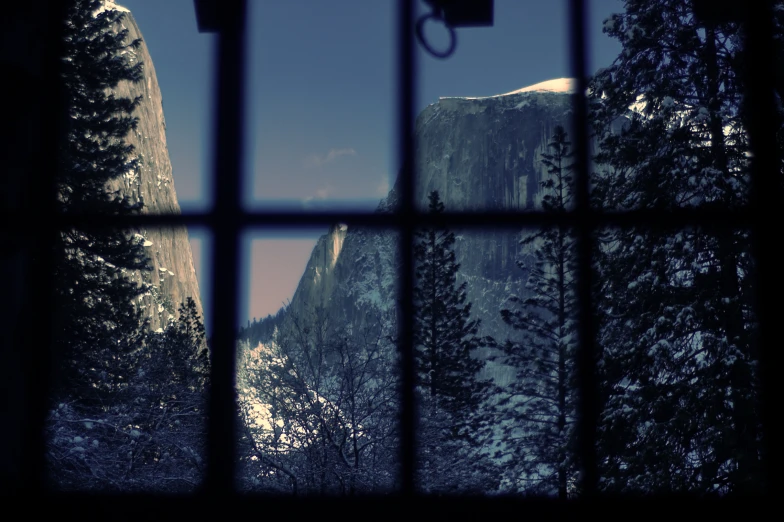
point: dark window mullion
(228, 120)
(766, 202)
(406, 213)
(38, 358)
(588, 398)
(672, 219)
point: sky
(320, 127)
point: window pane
(679, 365)
(128, 409)
(317, 378)
(669, 113)
(321, 105)
(480, 148)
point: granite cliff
(479, 154)
(173, 276)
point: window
(227, 221)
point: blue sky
(321, 105)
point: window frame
(227, 220)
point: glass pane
(127, 409)
(321, 102)
(673, 120)
(128, 406)
(172, 144)
(317, 378)
(679, 366)
(480, 148)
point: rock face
(479, 154)
(485, 153)
(173, 276)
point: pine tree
(97, 324)
(538, 428)
(445, 338)
(178, 356)
(167, 404)
(679, 364)
(150, 435)
(445, 334)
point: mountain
(479, 154)
(173, 276)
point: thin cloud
(320, 195)
(332, 155)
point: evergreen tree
(167, 404)
(262, 331)
(97, 324)
(148, 436)
(178, 357)
(679, 361)
(538, 429)
(445, 339)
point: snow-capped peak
(564, 85)
(109, 5)
(560, 85)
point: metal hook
(420, 32)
